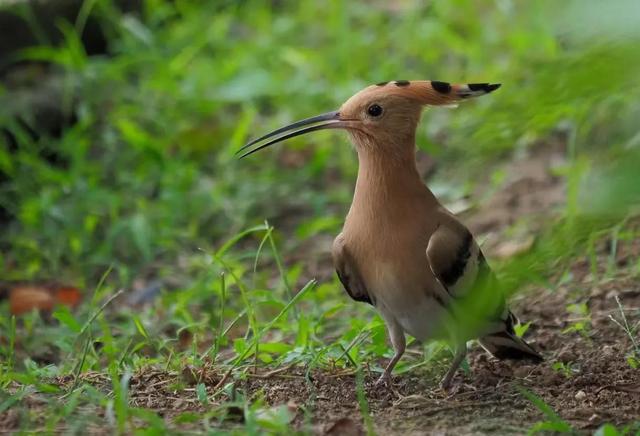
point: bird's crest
(433, 92)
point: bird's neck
(389, 183)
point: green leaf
(140, 327)
(555, 421)
(521, 329)
(154, 422)
(275, 347)
(186, 417)
(63, 314)
(548, 426)
(275, 419)
(141, 233)
(239, 345)
(11, 400)
(607, 430)
(201, 392)
(265, 358)
(318, 225)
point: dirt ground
(599, 385)
(585, 377)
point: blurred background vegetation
(130, 163)
(117, 150)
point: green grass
(147, 186)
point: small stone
(607, 351)
(612, 294)
(522, 371)
(580, 395)
(566, 356)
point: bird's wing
(456, 259)
(459, 265)
(348, 272)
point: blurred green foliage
(149, 171)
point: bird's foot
(444, 387)
(449, 388)
(384, 382)
(445, 384)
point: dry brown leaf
(68, 295)
(513, 247)
(24, 298)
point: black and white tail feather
(462, 269)
(505, 344)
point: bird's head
(382, 115)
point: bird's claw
(445, 385)
(449, 388)
(384, 380)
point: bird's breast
(394, 268)
(407, 295)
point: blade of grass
(310, 285)
(253, 323)
(98, 312)
(362, 335)
(231, 242)
(12, 343)
(624, 325)
(283, 275)
(78, 369)
(363, 403)
(264, 240)
(220, 333)
(558, 424)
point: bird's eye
(375, 110)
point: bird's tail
(505, 344)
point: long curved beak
(330, 120)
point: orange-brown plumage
(400, 249)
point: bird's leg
(461, 351)
(398, 341)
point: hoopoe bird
(400, 250)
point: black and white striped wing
(458, 263)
